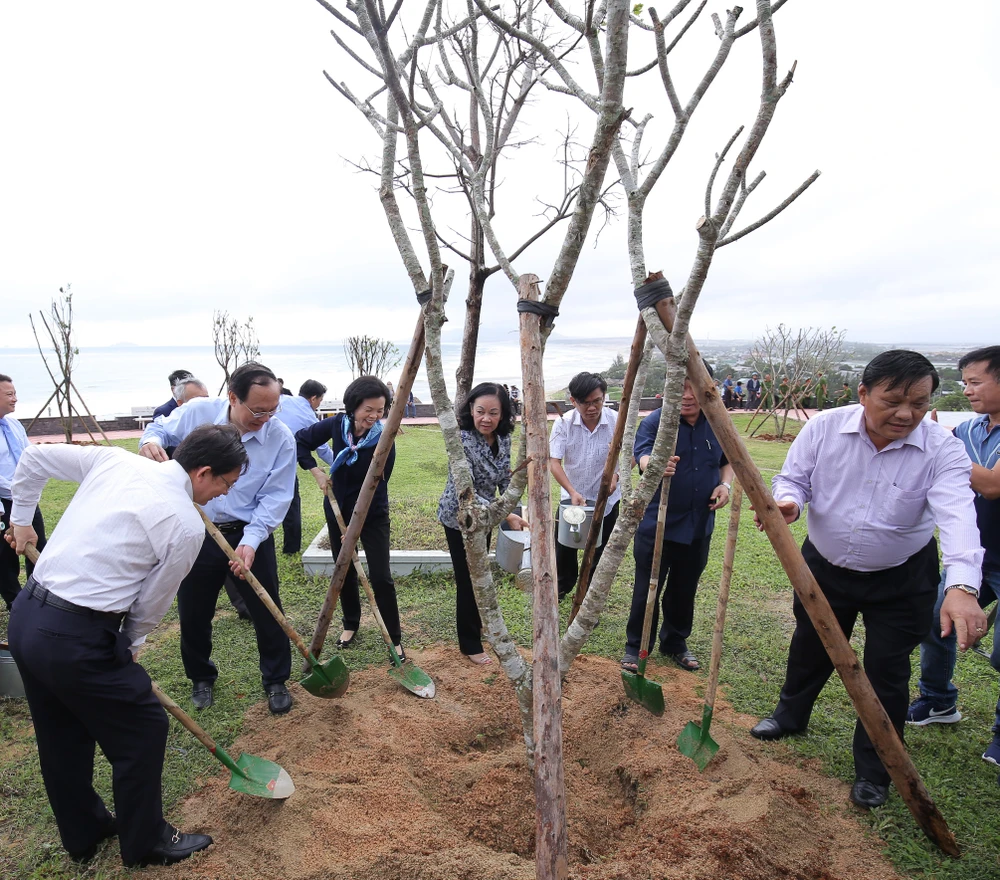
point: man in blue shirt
(165, 409)
(247, 516)
(937, 703)
(13, 441)
(298, 413)
(700, 485)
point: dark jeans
(84, 688)
(10, 562)
(196, 600)
(567, 558)
(681, 566)
(897, 605)
(291, 526)
(467, 619)
(375, 540)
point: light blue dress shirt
(262, 495)
(297, 413)
(13, 441)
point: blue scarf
(349, 454)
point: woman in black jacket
(353, 436)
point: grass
(752, 672)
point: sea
(115, 379)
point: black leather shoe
(867, 794)
(768, 729)
(174, 846)
(110, 830)
(202, 694)
(279, 701)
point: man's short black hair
(582, 385)
(361, 389)
(177, 375)
(247, 376)
(4, 378)
(899, 367)
(216, 446)
(990, 355)
(312, 388)
(488, 389)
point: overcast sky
(168, 160)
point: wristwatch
(729, 486)
(965, 588)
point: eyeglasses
(592, 404)
(229, 485)
(262, 415)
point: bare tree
(235, 343)
(59, 326)
(798, 357)
(369, 356)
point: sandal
(343, 643)
(630, 664)
(686, 660)
(481, 659)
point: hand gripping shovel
(649, 694)
(251, 775)
(694, 741)
(328, 680)
(409, 676)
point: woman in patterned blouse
(487, 421)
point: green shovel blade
(261, 778)
(414, 680)
(641, 690)
(695, 743)
(329, 680)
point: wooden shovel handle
(183, 717)
(251, 578)
(727, 575)
(654, 574)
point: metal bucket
(513, 549)
(573, 532)
(10, 679)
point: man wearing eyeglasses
(247, 516)
(578, 449)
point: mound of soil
(391, 786)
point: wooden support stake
(590, 548)
(550, 791)
(866, 703)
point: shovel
(251, 775)
(694, 741)
(649, 694)
(328, 680)
(411, 677)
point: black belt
(234, 525)
(36, 590)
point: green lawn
(752, 672)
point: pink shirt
(870, 510)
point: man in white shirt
(298, 413)
(247, 517)
(13, 441)
(877, 480)
(578, 450)
(108, 575)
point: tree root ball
(398, 788)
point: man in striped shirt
(878, 479)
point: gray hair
(181, 388)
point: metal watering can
(575, 523)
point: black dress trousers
(198, 595)
(897, 606)
(10, 562)
(83, 687)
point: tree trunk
(550, 791)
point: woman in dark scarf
(353, 436)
